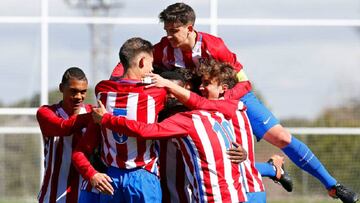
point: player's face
(171, 100)
(74, 94)
(177, 34)
(211, 89)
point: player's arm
(169, 128)
(179, 92)
(227, 107)
(238, 91)
(52, 125)
(80, 154)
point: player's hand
(237, 154)
(98, 112)
(157, 81)
(101, 182)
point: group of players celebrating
(152, 138)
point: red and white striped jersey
(174, 182)
(244, 136)
(61, 133)
(206, 46)
(203, 138)
(253, 181)
(129, 98)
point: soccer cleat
(282, 177)
(345, 194)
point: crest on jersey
(119, 138)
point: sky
(300, 71)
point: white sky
(299, 70)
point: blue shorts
(86, 196)
(256, 197)
(133, 185)
(260, 117)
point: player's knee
(278, 136)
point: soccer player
(203, 138)
(215, 82)
(185, 47)
(62, 126)
(132, 162)
(174, 183)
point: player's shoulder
(164, 42)
(208, 38)
(155, 91)
(88, 107)
(105, 85)
(48, 107)
(46, 110)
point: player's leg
(274, 168)
(87, 196)
(141, 186)
(265, 125)
(265, 169)
(116, 176)
(256, 197)
(88, 193)
(304, 158)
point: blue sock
(305, 159)
(265, 169)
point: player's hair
(131, 48)
(222, 72)
(173, 75)
(73, 73)
(178, 13)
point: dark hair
(131, 48)
(73, 73)
(222, 72)
(173, 75)
(178, 13)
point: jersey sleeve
(175, 126)
(53, 125)
(238, 91)
(84, 148)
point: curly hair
(221, 72)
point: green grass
(305, 200)
(18, 200)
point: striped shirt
(174, 182)
(129, 99)
(203, 138)
(244, 136)
(61, 133)
(206, 46)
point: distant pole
(100, 34)
(214, 17)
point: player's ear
(141, 62)
(190, 28)
(61, 87)
(225, 87)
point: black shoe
(282, 177)
(345, 194)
